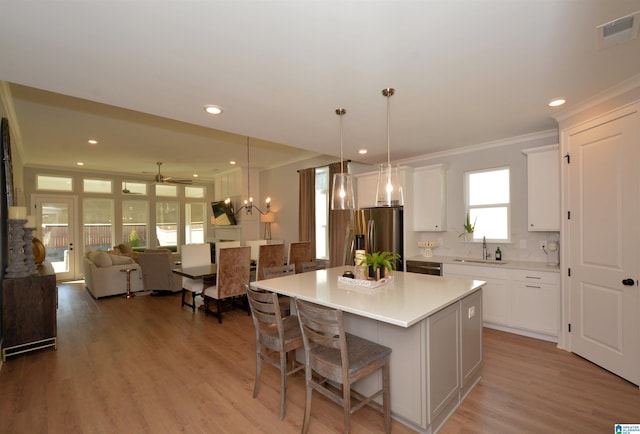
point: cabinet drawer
(535, 307)
(535, 276)
(474, 271)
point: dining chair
(313, 266)
(223, 245)
(233, 273)
(255, 247)
(282, 270)
(274, 334)
(299, 252)
(340, 357)
(193, 255)
(269, 255)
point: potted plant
(468, 227)
(378, 262)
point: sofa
(103, 276)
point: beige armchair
(157, 274)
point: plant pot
(376, 273)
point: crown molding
(510, 141)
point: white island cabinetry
(432, 324)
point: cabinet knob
(628, 282)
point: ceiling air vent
(618, 31)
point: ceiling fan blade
(161, 179)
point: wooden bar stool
(340, 357)
(274, 334)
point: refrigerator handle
(371, 235)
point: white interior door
(56, 227)
(604, 235)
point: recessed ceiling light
(362, 151)
(92, 141)
(213, 109)
(232, 162)
(79, 163)
(557, 102)
(195, 175)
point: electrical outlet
(422, 243)
(472, 312)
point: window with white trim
(488, 204)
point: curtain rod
(324, 165)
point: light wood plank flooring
(146, 365)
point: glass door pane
(135, 218)
(167, 223)
(195, 214)
(97, 220)
(56, 231)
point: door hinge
(569, 327)
(568, 157)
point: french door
(604, 233)
(56, 225)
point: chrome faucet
(485, 255)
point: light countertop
(507, 264)
(410, 298)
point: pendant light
(389, 192)
(248, 205)
(342, 197)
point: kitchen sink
(480, 261)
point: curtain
(340, 227)
(307, 207)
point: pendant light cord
(248, 173)
(388, 92)
(340, 112)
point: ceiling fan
(161, 179)
(125, 190)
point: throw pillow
(125, 248)
(120, 260)
(101, 259)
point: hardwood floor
(145, 365)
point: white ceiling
(465, 72)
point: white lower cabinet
(534, 301)
(516, 300)
(494, 294)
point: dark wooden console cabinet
(29, 320)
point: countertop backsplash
(521, 248)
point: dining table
(206, 272)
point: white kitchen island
(432, 324)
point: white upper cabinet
(430, 198)
(228, 184)
(367, 189)
(543, 178)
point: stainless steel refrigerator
(382, 230)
